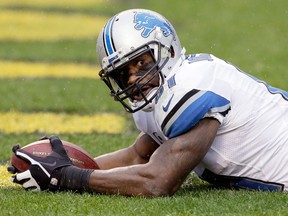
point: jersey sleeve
(193, 106)
(195, 92)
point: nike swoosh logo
(165, 108)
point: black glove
(54, 172)
(40, 174)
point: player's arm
(162, 175)
(138, 153)
(167, 168)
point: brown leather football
(42, 148)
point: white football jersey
(250, 149)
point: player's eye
(146, 65)
(140, 63)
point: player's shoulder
(195, 70)
(200, 57)
(202, 60)
(201, 66)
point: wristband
(71, 178)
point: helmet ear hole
(172, 52)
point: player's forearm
(123, 157)
(129, 181)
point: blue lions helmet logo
(148, 23)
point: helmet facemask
(134, 97)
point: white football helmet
(128, 35)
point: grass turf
(250, 34)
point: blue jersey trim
(274, 90)
(193, 112)
(253, 184)
(239, 182)
(271, 89)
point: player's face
(134, 71)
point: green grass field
(49, 84)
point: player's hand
(41, 175)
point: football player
(194, 112)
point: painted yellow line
(21, 26)
(57, 123)
(53, 3)
(41, 70)
(5, 177)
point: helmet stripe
(108, 37)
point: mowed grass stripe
(57, 123)
(27, 26)
(5, 177)
(53, 3)
(10, 69)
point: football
(42, 148)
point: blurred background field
(49, 84)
